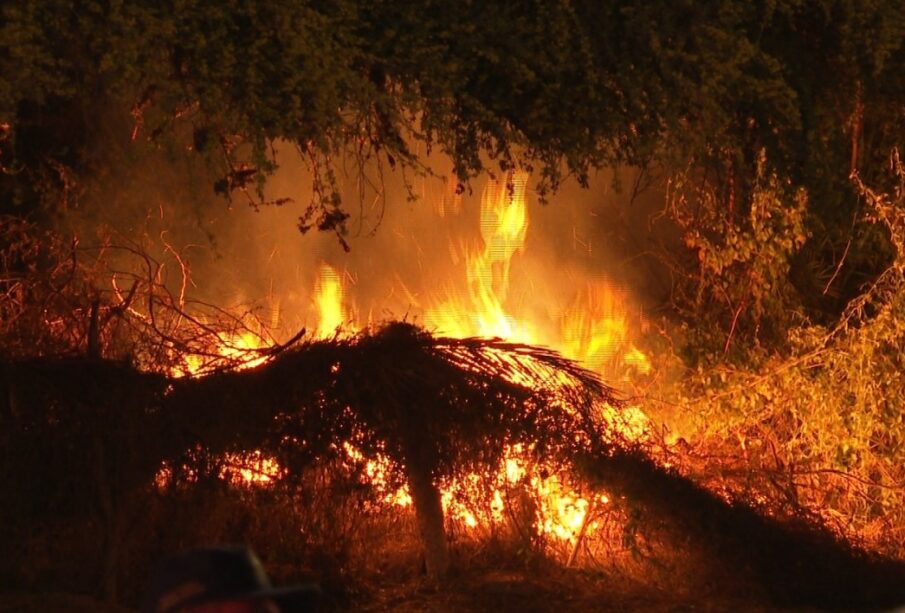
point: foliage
(821, 428)
(739, 286)
(560, 86)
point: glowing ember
(249, 468)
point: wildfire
(594, 329)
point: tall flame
(504, 226)
(593, 328)
(328, 297)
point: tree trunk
(420, 462)
(429, 513)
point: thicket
(109, 464)
(813, 421)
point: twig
(586, 520)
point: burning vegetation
(460, 441)
(687, 381)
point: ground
(520, 591)
(561, 591)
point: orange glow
(592, 325)
(504, 226)
(328, 296)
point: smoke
(409, 237)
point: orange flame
(504, 226)
(328, 296)
(594, 329)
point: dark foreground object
(222, 575)
(794, 563)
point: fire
(238, 469)
(375, 472)
(247, 350)
(249, 468)
(328, 296)
(593, 328)
(558, 510)
(241, 350)
(481, 312)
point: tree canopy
(561, 87)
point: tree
(563, 87)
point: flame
(328, 297)
(595, 331)
(241, 350)
(253, 468)
(481, 312)
(559, 511)
(593, 327)
(375, 473)
(238, 469)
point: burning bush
(326, 438)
